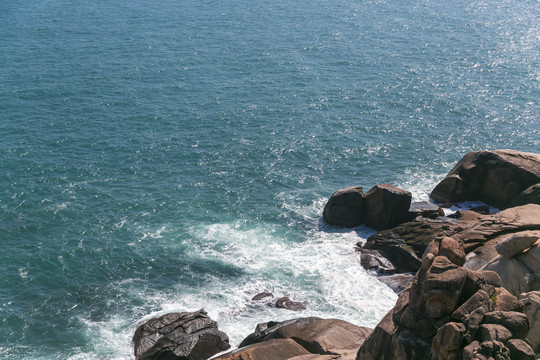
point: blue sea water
(176, 155)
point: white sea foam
(320, 269)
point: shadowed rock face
(179, 336)
(499, 178)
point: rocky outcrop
(399, 250)
(450, 312)
(382, 207)
(263, 296)
(179, 336)
(280, 303)
(518, 263)
(499, 178)
(307, 337)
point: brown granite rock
(404, 245)
(449, 312)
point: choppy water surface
(173, 155)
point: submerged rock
(265, 295)
(187, 335)
(286, 303)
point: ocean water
(176, 155)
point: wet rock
(179, 336)
(449, 312)
(373, 260)
(386, 206)
(346, 207)
(493, 177)
(286, 303)
(404, 245)
(263, 296)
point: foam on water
(321, 270)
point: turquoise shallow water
(175, 155)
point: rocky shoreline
(469, 281)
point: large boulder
(314, 335)
(450, 312)
(382, 207)
(387, 206)
(346, 207)
(498, 178)
(179, 336)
